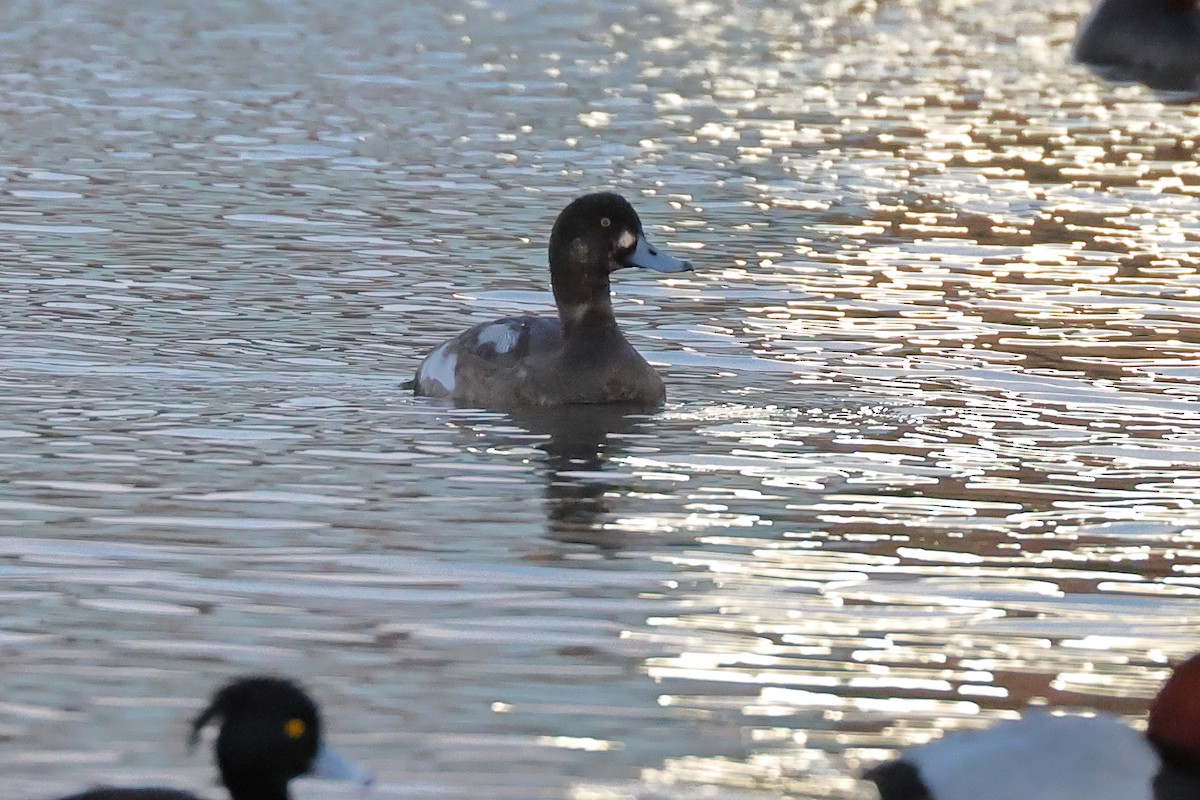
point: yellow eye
(605, 222)
(294, 728)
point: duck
(1047, 757)
(1155, 42)
(580, 357)
(270, 732)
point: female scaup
(270, 733)
(1041, 757)
(1155, 42)
(581, 357)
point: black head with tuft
(593, 236)
(270, 733)
(604, 219)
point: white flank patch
(438, 368)
(503, 337)
(1040, 757)
(626, 240)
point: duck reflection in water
(580, 440)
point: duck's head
(594, 236)
(270, 732)
(1174, 722)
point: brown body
(542, 369)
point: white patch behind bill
(626, 240)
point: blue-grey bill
(331, 765)
(647, 256)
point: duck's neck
(579, 278)
(257, 791)
(592, 319)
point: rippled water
(931, 451)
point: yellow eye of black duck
(605, 222)
(294, 728)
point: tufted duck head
(594, 236)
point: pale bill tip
(331, 765)
(647, 256)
